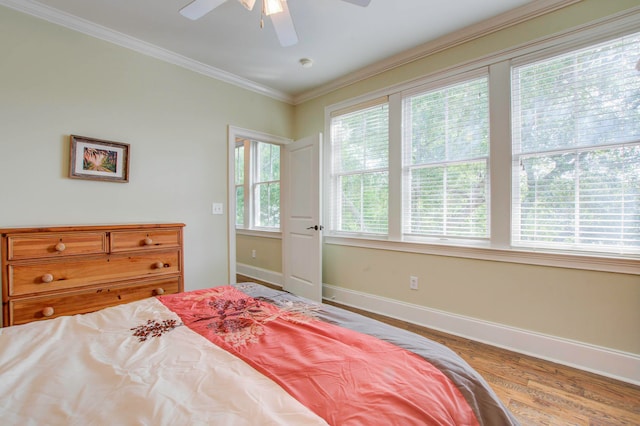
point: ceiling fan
(276, 9)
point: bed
(243, 354)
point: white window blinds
(576, 147)
(360, 169)
(445, 167)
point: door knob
(316, 227)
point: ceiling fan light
(272, 6)
(248, 4)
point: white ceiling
(342, 39)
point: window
(359, 169)
(446, 154)
(267, 186)
(576, 146)
(239, 180)
(533, 153)
(257, 183)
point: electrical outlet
(253, 254)
(413, 282)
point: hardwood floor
(540, 392)
(537, 392)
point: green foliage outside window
(577, 140)
(447, 141)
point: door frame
(234, 133)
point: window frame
(255, 185)
(335, 176)
(498, 247)
(406, 168)
(578, 150)
(250, 185)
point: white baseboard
(607, 362)
(260, 274)
(599, 360)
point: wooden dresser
(66, 270)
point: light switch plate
(217, 208)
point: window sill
(259, 233)
(483, 251)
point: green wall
(595, 308)
(268, 252)
(55, 82)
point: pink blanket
(343, 376)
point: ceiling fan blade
(248, 4)
(363, 3)
(198, 8)
(283, 24)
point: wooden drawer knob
(159, 291)
(47, 278)
(148, 241)
(48, 311)
(158, 265)
(60, 247)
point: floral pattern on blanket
(154, 328)
(240, 321)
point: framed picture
(96, 159)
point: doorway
(254, 226)
(256, 191)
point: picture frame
(97, 159)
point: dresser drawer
(36, 246)
(144, 239)
(38, 308)
(25, 278)
(83, 268)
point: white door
(302, 230)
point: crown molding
(492, 25)
(497, 23)
(94, 30)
